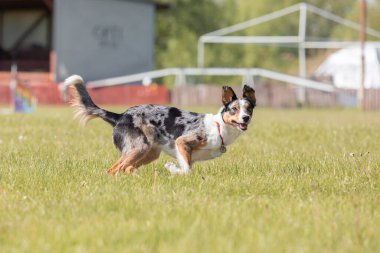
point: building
(343, 68)
(52, 39)
(94, 38)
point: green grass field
(297, 181)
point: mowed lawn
(296, 181)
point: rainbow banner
(23, 99)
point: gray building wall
(103, 38)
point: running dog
(142, 132)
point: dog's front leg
(183, 150)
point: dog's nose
(245, 119)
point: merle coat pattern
(142, 132)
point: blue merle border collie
(142, 132)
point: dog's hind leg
(135, 141)
(114, 168)
(152, 155)
(128, 162)
(133, 160)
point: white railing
(301, 41)
(247, 74)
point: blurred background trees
(179, 27)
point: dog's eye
(233, 109)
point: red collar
(218, 126)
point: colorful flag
(23, 99)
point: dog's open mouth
(241, 126)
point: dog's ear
(228, 95)
(249, 94)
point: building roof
(22, 4)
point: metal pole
(200, 53)
(13, 86)
(247, 78)
(362, 35)
(180, 77)
(301, 92)
(301, 39)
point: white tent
(344, 67)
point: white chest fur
(214, 138)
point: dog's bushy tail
(85, 108)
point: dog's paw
(169, 164)
(172, 168)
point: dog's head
(238, 112)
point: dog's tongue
(243, 126)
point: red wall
(131, 95)
(5, 95)
(117, 95)
(47, 92)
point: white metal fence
(248, 75)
